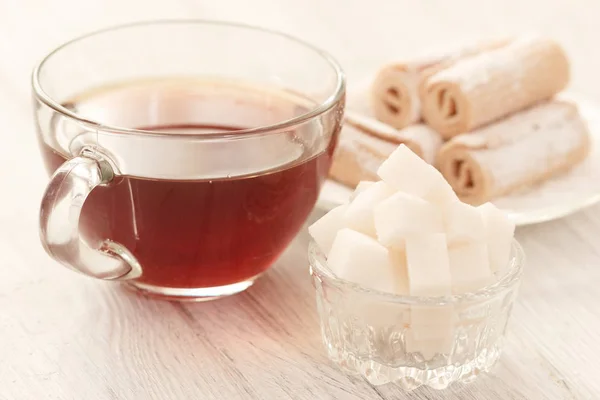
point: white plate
(556, 198)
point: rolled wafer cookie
(420, 138)
(395, 98)
(358, 156)
(365, 143)
(515, 153)
(488, 86)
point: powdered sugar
(449, 53)
(428, 140)
(552, 119)
(475, 71)
(478, 70)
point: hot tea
(211, 230)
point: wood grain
(63, 336)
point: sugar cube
(361, 259)
(402, 215)
(428, 265)
(326, 228)
(463, 223)
(361, 187)
(469, 267)
(442, 193)
(499, 232)
(359, 215)
(407, 172)
(398, 259)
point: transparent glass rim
(331, 101)
(511, 278)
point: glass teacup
(185, 155)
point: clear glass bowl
(413, 341)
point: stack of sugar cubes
(409, 234)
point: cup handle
(60, 210)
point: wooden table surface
(63, 336)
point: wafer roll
(421, 139)
(358, 156)
(395, 90)
(520, 151)
(477, 90)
